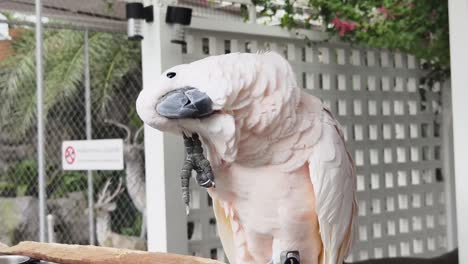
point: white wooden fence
(394, 127)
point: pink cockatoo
(284, 179)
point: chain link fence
(115, 81)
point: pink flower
(343, 26)
(386, 12)
(411, 5)
(336, 21)
(383, 10)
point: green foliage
(135, 228)
(415, 27)
(23, 176)
(115, 67)
(7, 189)
(21, 180)
(113, 60)
(126, 219)
(8, 15)
(64, 182)
(134, 119)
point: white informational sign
(99, 154)
(4, 29)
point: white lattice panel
(392, 126)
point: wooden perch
(78, 254)
(3, 246)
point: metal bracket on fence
(179, 18)
(290, 257)
(136, 15)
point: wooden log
(3, 246)
(78, 254)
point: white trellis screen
(393, 126)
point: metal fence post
(40, 123)
(166, 218)
(89, 136)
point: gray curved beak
(186, 102)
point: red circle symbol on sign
(70, 155)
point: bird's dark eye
(171, 75)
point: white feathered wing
(333, 177)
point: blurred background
(382, 67)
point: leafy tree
(115, 67)
(115, 80)
(415, 27)
(113, 62)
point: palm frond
(112, 58)
(116, 62)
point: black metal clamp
(290, 257)
(136, 15)
(179, 18)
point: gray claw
(208, 184)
